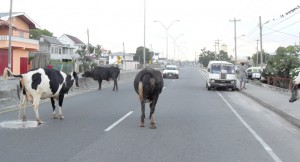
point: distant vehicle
(171, 71)
(220, 74)
(253, 72)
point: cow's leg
(143, 114)
(100, 82)
(152, 109)
(23, 105)
(36, 101)
(53, 107)
(115, 85)
(60, 102)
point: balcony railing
(19, 39)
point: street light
(144, 50)
(178, 46)
(167, 33)
(175, 43)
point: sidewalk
(275, 99)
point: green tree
(283, 62)
(98, 51)
(36, 33)
(206, 56)
(139, 55)
(223, 56)
(266, 58)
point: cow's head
(75, 76)
(87, 74)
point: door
(3, 60)
(23, 65)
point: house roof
(5, 16)
(5, 23)
(51, 40)
(74, 39)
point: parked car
(171, 71)
(254, 72)
(220, 74)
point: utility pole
(88, 45)
(144, 50)
(217, 43)
(124, 62)
(9, 36)
(257, 52)
(235, 20)
(261, 51)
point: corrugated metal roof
(75, 39)
(51, 40)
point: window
(21, 34)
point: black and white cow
(100, 73)
(44, 83)
(148, 84)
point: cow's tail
(141, 91)
(21, 87)
(6, 71)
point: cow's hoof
(61, 117)
(142, 125)
(152, 126)
(54, 116)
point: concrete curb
(281, 113)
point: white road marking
(117, 122)
(258, 138)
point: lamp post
(167, 33)
(144, 50)
(175, 43)
(178, 46)
(9, 36)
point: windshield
(171, 68)
(222, 68)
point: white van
(253, 72)
(220, 74)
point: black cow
(104, 73)
(148, 84)
(44, 83)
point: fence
(280, 82)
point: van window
(225, 69)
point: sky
(201, 24)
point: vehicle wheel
(233, 88)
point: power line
(278, 30)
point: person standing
(50, 66)
(243, 76)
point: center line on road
(117, 122)
(258, 138)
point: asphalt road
(193, 124)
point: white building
(71, 42)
